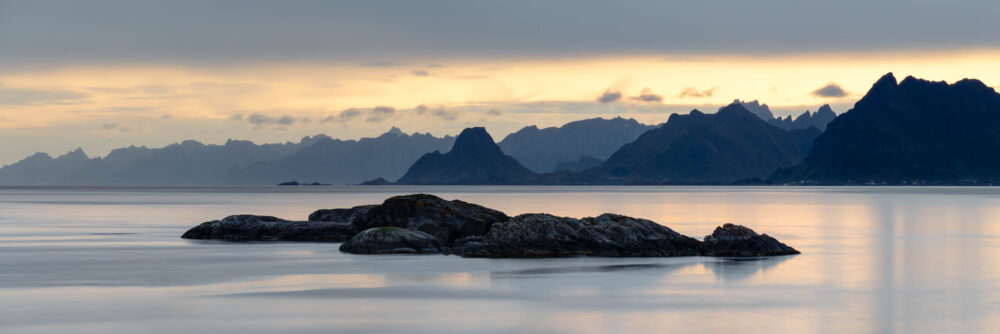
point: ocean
(874, 260)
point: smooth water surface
(878, 260)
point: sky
(106, 74)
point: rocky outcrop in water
(543, 235)
(422, 223)
(736, 240)
(393, 240)
(340, 215)
(267, 228)
(447, 220)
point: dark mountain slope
(916, 131)
(474, 159)
(724, 147)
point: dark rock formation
(267, 228)
(475, 159)
(289, 183)
(427, 224)
(736, 240)
(699, 148)
(913, 132)
(543, 235)
(543, 150)
(393, 240)
(340, 215)
(447, 220)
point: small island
(427, 224)
(296, 183)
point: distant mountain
(542, 150)
(819, 119)
(185, 163)
(337, 161)
(754, 107)
(724, 147)
(313, 159)
(914, 131)
(474, 159)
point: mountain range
(911, 132)
(562, 148)
(698, 148)
(819, 119)
(313, 159)
(474, 159)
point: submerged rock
(446, 220)
(544, 235)
(340, 215)
(267, 228)
(393, 240)
(736, 240)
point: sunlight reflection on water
(97, 260)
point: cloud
(648, 96)
(695, 93)
(380, 63)
(23, 96)
(439, 112)
(831, 90)
(380, 113)
(166, 116)
(261, 119)
(494, 112)
(109, 126)
(435, 65)
(420, 73)
(609, 96)
(285, 120)
(236, 117)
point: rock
(267, 228)
(736, 240)
(340, 215)
(544, 235)
(393, 240)
(289, 183)
(446, 220)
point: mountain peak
(473, 140)
(755, 107)
(396, 131)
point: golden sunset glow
(168, 103)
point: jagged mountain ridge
(914, 131)
(543, 150)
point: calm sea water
(878, 260)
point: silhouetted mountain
(317, 159)
(337, 161)
(819, 119)
(724, 147)
(754, 107)
(916, 131)
(541, 150)
(474, 159)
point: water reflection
(874, 260)
(739, 269)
